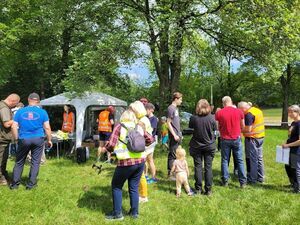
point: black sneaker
(243, 186)
(29, 187)
(114, 216)
(225, 183)
(208, 193)
(13, 186)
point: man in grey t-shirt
(173, 121)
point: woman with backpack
(130, 166)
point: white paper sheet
(282, 154)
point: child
(180, 167)
(164, 131)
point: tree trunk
(285, 84)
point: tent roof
(87, 98)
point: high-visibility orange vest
(68, 122)
(258, 127)
(104, 123)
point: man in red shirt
(231, 122)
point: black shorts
(104, 136)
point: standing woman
(293, 142)
(203, 145)
(68, 120)
(130, 167)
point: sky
(140, 73)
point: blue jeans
(133, 175)
(235, 146)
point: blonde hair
(203, 108)
(294, 108)
(138, 108)
(128, 116)
(180, 153)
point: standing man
(231, 122)
(29, 127)
(5, 132)
(254, 133)
(173, 122)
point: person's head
(294, 112)
(138, 108)
(226, 101)
(144, 100)
(12, 100)
(244, 106)
(150, 109)
(180, 153)
(33, 99)
(20, 105)
(177, 98)
(128, 116)
(203, 108)
(67, 108)
(163, 119)
(111, 109)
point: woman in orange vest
(68, 120)
(105, 127)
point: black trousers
(173, 145)
(199, 156)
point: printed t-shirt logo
(30, 116)
(176, 113)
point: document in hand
(282, 154)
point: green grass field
(69, 193)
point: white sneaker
(143, 199)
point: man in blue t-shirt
(29, 127)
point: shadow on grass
(98, 198)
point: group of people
(30, 126)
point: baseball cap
(34, 96)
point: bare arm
(8, 124)
(242, 125)
(187, 169)
(173, 168)
(47, 129)
(170, 127)
(111, 121)
(247, 129)
(14, 129)
(292, 144)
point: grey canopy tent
(81, 104)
